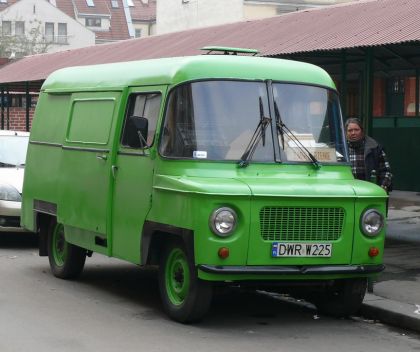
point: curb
(402, 315)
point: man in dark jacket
(367, 157)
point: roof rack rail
(229, 51)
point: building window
(20, 28)
(114, 4)
(3, 1)
(138, 33)
(49, 32)
(394, 96)
(93, 22)
(6, 28)
(62, 33)
(130, 3)
(90, 3)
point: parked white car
(13, 147)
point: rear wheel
(185, 297)
(342, 299)
(66, 260)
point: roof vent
(223, 50)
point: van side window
(146, 105)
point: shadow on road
(11, 240)
(233, 306)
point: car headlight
(371, 222)
(9, 193)
(222, 221)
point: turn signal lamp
(223, 252)
(373, 252)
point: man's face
(354, 132)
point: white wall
(177, 15)
(41, 10)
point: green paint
(177, 276)
(106, 192)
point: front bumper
(292, 270)
(10, 216)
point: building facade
(368, 47)
(41, 25)
(69, 24)
(46, 26)
(179, 15)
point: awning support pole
(28, 105)
(2, 107)
(343, 93)
(368, 92)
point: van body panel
(172, 71)
(187, 162)
(45, 152)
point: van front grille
(301, 223)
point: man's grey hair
(353, 120)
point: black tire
(185, 298)
(66, 260)
(342, 299)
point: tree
(32, 42)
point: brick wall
(17, 118)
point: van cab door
(133, 171)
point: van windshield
(216, 120)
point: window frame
(62, 38)
(9, 26)
(95, 22)
(132, 100)
(49, 38)
(22, 23)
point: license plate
(287, 249)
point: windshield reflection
(215, 120)
(312, 115)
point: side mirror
(135, 133)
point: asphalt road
(115, 306)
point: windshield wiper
(279, 124)
(259, 134)
(282, 128)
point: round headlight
(223, 221)
(9, 193)
(371, 222)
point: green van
(220, 169)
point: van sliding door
(85, 170)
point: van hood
(12, 176)
(268, 186)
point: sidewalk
(396, 293)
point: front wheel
(66, 260)
(342, 299)
(185, 297)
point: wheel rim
(59, 245)
(177, 276)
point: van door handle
(101, 157)
(114, 169)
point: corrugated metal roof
(358, 24)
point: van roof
(172, 71)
